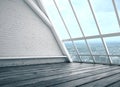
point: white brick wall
(22, 32)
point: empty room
(59, 43)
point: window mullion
(81, 30)
(104, 44)
(116, 12)
(67, 31)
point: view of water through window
(99, 54)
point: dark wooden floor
(61, 75)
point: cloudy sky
(103, 9)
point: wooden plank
(115, 84)
(29, 66)
(105, 82)
(87, 79)
(20, 68)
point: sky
(103, 9)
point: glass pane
(118, 6)
(105, 15)
(101, 59)
(70, 48)
(69, 18)
(55, 19)
(86, 58)
(113, 44)
(82, 47)
(96, 46)
(75, 58)
(115, 59)
(85, 17)
(72, 51)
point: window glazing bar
(81, 30)
(80, 60)
(97, 55)
(116, 12)
(95, 36)
(104, 44)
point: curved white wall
(22, 32)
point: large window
(90, 29)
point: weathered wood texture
(60, 75)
